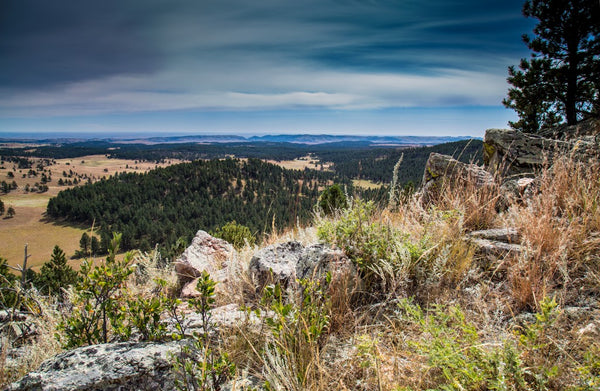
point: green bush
(236, 234)
(384, 256)
(99, 300)
(8, 281)
(298, 327)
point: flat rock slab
(510, 152)
(508, 235)
(113, 366)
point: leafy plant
(99, 300)
(298, 328)
(200, 365)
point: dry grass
(559, 226)
(30, 353)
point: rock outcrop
(512, 153)
(442, 169)
(206, 253)
(107, 367)
(284, 263)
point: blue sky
(264, 66)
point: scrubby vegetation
(425, 311)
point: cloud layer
(65, 58)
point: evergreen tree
(7, 280)
(332, 199)
(1, 208)
(10, 212)
(56, 273)
(562, 80)
(84, 243)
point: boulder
(113, 366)
(517, 190)
(511, 153)
(284, 263)
(442, 169)
(206, 253)
(493, 245)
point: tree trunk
(571, 101)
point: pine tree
(56, 273)
(561, 82)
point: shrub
(236, 234)
(55, 274)
(298, 329)
(99, 299)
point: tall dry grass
(560, 229)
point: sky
(404, 67)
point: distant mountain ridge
(308, 139)
(302, 139)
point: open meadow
(29, 224)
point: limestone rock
(512, 153)
(113, 366)
(206, 253)
(284, 263)
(443, 168)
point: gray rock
(508, 235)
(206, 253)
(443, 169)
(284, 263)
(588, 130)
(227, 316)
(493, 245)
(517, 190)
(114, 366)
(511, 153)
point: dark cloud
(103, 56)
(48, 42)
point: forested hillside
(377, 164)
(176, 201)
